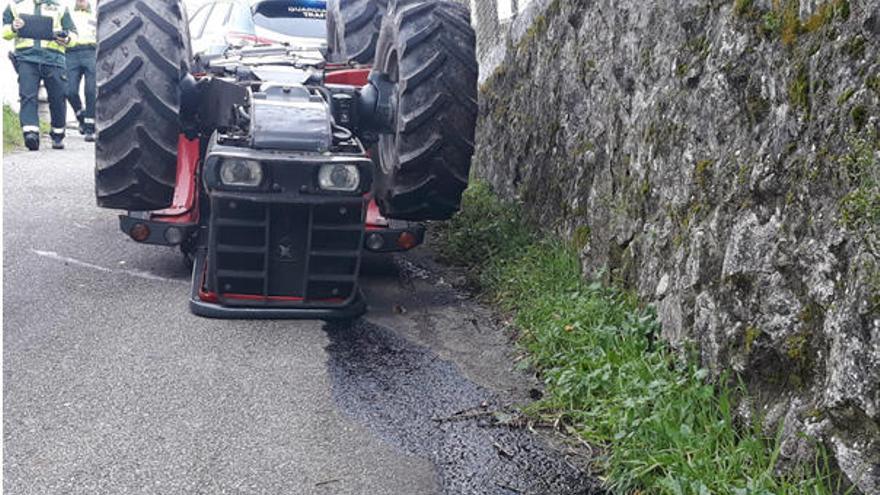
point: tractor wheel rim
(389, 159)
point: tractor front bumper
(208, 305)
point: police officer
(81, 64)
(37, 60)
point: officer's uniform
(37, 60)
(81, 64)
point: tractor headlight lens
(239, 172)
(337, 177)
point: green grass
(11, 130)
(661, 426)
(472, 236)
(12, 136)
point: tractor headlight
(338, 177)
(240, 172)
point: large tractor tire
(426, 50)
(353, 29)
(143, 52)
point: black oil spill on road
(399, 390)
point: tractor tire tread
(121, 34)
(437, 109)
(357, 24)
(143, 51)
(159, 60)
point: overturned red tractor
(274, 167)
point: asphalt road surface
(112, 386)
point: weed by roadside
(662, 427)
(484, 230)
(11, 130)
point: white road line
(52, 255)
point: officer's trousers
(81, 65)
(29, 76)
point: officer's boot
(57, 141)
(32, 140)
(80, 117)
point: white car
(220, 24)
(297, 23)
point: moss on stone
(539, 26)
(771, 24)
(681, 69)
(791, 21)
(590, 64)
(872, 270)
(751, 335)
(860, 207)
(811, 313)
(855, 47)
(795, 346)
(701, 172)
(693, 212)
(581, 236)
(699, 46)
(799, 89)
(783, 18)
(757, 107)
(743, 7)
(497, 75)
(859, 115)
(845, 96)
(583, 147)
(814, 414)
(842, 9)
(873, 83)
(801, 359)
(823, 15)
(647, 57)
(743, 173)
(537, 29)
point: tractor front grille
(284, 254)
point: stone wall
(721, 158)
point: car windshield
(298, 18)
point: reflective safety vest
(86, 27)
(61, 21)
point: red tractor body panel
(351, 77)
(185, 206)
